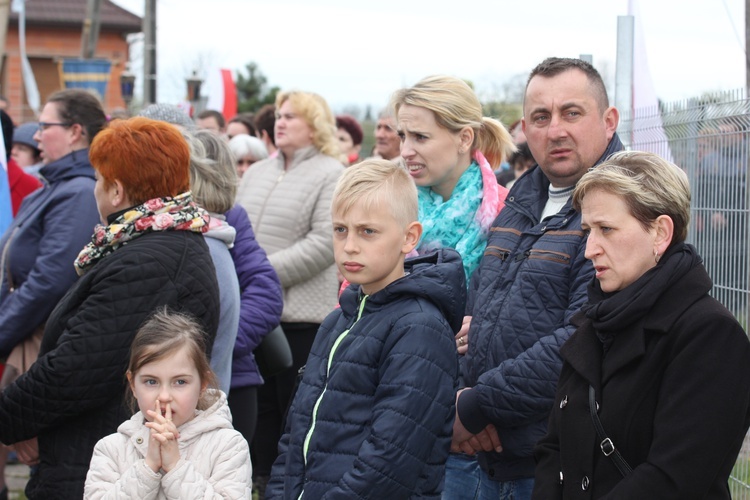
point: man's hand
(466, 442)
(462, 337)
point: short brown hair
(265, 119)
(78, 106)
(553, 66)
(649, 185)
(162, 334)
(247, 120)
(211, 113)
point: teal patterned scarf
(460, 222)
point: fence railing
(709, 138)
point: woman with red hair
(149, 253)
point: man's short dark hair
(246, 119)
(210, 113)
(553, 66)
(265, 119)
(82, 107)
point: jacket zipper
(268, 196)
(561, 257)
(337, 342)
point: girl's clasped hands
(163, 449)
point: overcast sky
(357, 53)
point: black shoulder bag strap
(606, 444)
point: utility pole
(90, 35)
(149, 53)
(747, 47)
(4, 12)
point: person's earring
(656, 256)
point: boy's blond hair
(373, 181)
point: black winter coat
(674, 396)
(74, 394)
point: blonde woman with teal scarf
(451, 152)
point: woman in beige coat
(288, 198)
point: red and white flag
(222, 93)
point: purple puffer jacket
(260, 298)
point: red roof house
(53, 32)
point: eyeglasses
(46, 125)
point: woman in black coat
(668, 365)
(150, 254)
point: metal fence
(709, 138)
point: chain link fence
(709, 138)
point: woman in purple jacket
(260, 312)
(260, 300)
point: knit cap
(24, 134)
(168, 113)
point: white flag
(32, 91)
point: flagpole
(149, 53)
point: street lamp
(127, 86)
(194, 89)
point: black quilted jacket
(73, 395)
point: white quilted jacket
(214, 463)
(291, 215)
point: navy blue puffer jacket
(374, 412)
(52, 226)
(532, 279)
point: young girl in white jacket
(181, 444)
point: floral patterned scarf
(159, 214)
(463, 221)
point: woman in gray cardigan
(288, 198)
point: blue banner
(86, 74)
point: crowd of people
(222, 306)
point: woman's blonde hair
(456, 106)
(316, 113)
(649, 185)
(213, 177)
(371, 182)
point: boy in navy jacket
(373, 414)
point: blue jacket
(531, 280)
(373, 414)
(260, 298)
(52, 226)
(229, 311)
